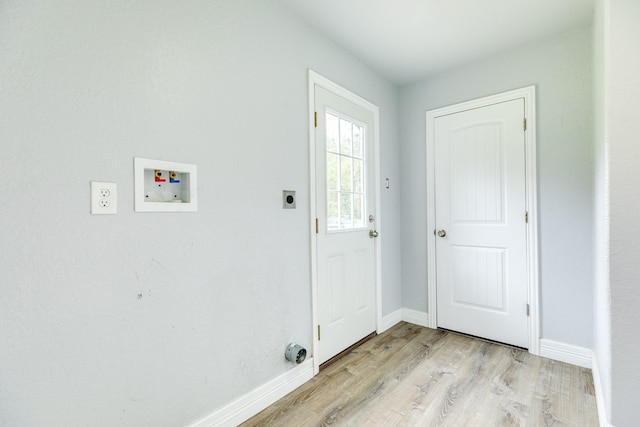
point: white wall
(619, 151)
(561, 70)
(158, 319)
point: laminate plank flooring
(415, 376)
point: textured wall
(622, 83)
(158, 319)
(616, 232)
(561, 70)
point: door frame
(528, 93)
(317, 79)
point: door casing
(528, 93)
(313, 80)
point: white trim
(597, 384)
(312, 221)
(532, 226)
(528, 93)
(415, 317)
(390, 320)
(248, 405)
(419, 318)
(568, 353)
(317, 79)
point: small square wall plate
(288, 199)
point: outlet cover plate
(104, 198)
(288, 199)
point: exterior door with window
(345, 223)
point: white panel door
(345, 203)
(481, 264)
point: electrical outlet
(103, 198)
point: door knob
(373, 233)
(442, 233)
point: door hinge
(317, 227)
(524, 123)
(315, 119)
(318, 332)
(528, 310)
(526, 217)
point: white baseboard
(248, 405)
(390, 320)
(597, 384)
(416, 317)
(567, 353)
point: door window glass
(345, 173)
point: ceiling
(406, 40)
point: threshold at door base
(347, 351)
(483, 339)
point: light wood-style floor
(415, 376)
